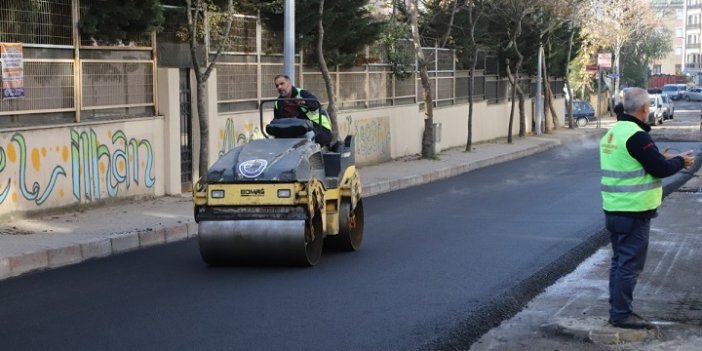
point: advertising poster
(11, 58)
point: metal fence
(73, 79)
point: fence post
(367, 82)
(77, 71)
(436, 73)
(337, 86)
(154, 72)
(302, 70)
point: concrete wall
(387, 133)
(43, 168)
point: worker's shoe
(633, 321)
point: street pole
(599, 95)
(538, 119)
(289, 46)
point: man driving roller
(307, 107)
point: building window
(678, 32)
(656, 69)
(679, 14)
(678, 51)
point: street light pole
(289, 46)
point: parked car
(583, 113)
(694, 94)
(655, 113)
(669, 107)
(674, 91)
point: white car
(655, 113)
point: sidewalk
(572, 313)
(70, 237)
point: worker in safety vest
(308, 109)
(632, 168)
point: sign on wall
(11, 57)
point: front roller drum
(289, 242)
(350, 227)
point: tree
(329, 84)
(475, 10)
(218, 31)
(353, 29)
(428, 135)
(120, 21)
(611, 24)
(639, 53)
(515, 14)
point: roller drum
(259, 241)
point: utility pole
(289, 46)
(599, 95)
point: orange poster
(12, 60)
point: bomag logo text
(253, 192)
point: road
(437, 263)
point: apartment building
(673, 16)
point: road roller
(280, 199)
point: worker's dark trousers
(629, 237)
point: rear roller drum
(350, 227)
(314, 239)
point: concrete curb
(91, 249)
(596, 330)
(452, 171)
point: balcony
(692, 46)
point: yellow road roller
(280, 200)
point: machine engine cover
(269, 160)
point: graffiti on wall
(230, 137)
(372, 138)
(116, 168)
(124, 162)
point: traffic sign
(604, 60)
(612, 75)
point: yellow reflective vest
(315, 116)
(625, 185)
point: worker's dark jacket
(284, 109)
(642, 148)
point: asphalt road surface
(438, 262)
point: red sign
(591, 68)
(604, 60)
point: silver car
(694, 94)
(668, 107)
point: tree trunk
(471, 84)
(329, 84)
(522, 111)
(204, 126)
(202, 73)
(450, 25)
(428, 135)
(548, 94)
(569, 102)
(511, 110)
